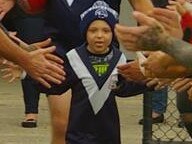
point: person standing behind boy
(92, 76)
(29, 28)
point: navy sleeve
(127, 88)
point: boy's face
(99, 37)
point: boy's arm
(144, 6)
(128, 88)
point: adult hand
(42, 51)
(162, 65)
(152, 82)
(178, 6)
(163, 82)
(150, 35)
(5, 7)
(182, 1)
(11, 71)
(181, 84)
(170, 20)
(45, 67)
(157, 83)
(131, 71)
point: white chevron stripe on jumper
(97, 97)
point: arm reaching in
(36, 63)
(151, 35)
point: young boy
(93, 78)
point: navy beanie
(99, 11)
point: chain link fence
(165, 133)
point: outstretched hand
(143, 37)
(151, 34)
(10, 71)
(45, 67)
(161, 65)
(181, 84)
(131, 71)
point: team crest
(101, 13)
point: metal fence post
(147, 117)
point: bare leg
(59, 109)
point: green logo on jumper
(101, 68)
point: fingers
(123, 67)
(169, 19)
(4, 61)
(47, 50)
(190, 94)
(169, 14)
(162, 83)
(54, 58)
(50, 78)
(12, 33)
(15, 38)
(148, 69)
(181, 84)
(43, 82)
(149, 74)
(44, 43)
(56, 72)
(55, 69)
(46, 68)
(174, 3)
(2, 15)
(125, 30)
(143, 19)
(164, 20)
(152, 82)
(128, 36)
(8, 75)
(124, 70)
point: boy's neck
(105, 52)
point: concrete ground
(11, 115)
(130, 110)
